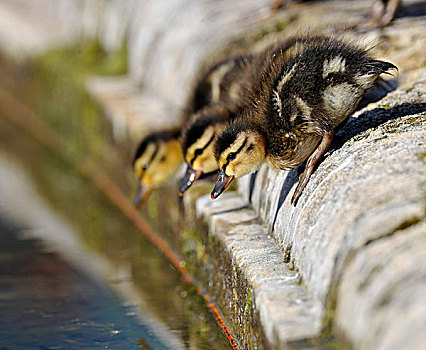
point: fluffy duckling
(158, 156)
(220, 83)
(197, 143)
(156, 160)
(225, 81)
(301, 91)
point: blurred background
(86, 80)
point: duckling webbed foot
(277, 4)
(383, 11)
(311, 164)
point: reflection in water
(45, 303)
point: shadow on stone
(354, 126)
(252, 182)
(289, 181)
(373, 119)
(230, 210)
(417, 9)
(381, 89)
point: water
(46, 304)
(59, 298)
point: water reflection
(47, 304)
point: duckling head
(239, 150)
(156, 161)
(197, 141)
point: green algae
(287, 253)
(233, 294)
(421, 157)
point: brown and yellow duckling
(197, 143)
(219, 84)
(199, 133)
(156, 160)
(301, 92)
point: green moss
(287, 253)
(421, 157)
(152, 206)
(75, 63)
(193, 249)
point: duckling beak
(142, 195)
(222, 183)
(188, 179)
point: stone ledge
(384, 284)
(287, 312)
(129, 107)
(326, 233)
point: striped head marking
(335, 65)
(198, 139)
(158, 162)
(240, 149)
(200, 155)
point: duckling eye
(145, 166)
(231, 156)
(198, 152)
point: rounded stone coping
(286, 309)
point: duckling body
(199, 133)
(219, 84)
(300, 92)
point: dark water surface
(46, 304)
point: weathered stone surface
(368, 188)
(286, 310)
(23, 34)
(128, 107)
(380, 301)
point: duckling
(156, 160)
(158, 155)
(301, 92)
(225, 79)
(197, 143)
(220, 83)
